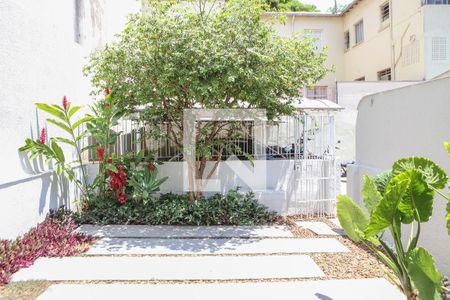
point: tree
(176, 57)
(337, 8)
(290, 5)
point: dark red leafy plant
(53, 237)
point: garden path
(216, 262)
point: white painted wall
(349, 93)
(40, 61)
(409, 121)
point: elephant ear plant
(403, 196)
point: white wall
(40, 61)
(349, 93)
(409, 121)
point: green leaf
(51, 110)
(111, 167)
(447, 147)
(424, 275)
(419, 196)
(60, 125)
(447, 217)
(387, 209)
(381, 180)
(73, 110)
(58, 152)
(434, 174)
(81, 121)
(352, 218)
(64, 140)
(370, 194)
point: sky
(323, 5)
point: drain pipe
(391, 28)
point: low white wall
(409, 121)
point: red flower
(100, 153)
(122, 199)
(109, 160)
(118, 183)
(151, 167)
(42, 137)
(107, 92)
(65, 103)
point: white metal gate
(315, 171)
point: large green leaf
(352, 218)
(60, 125)
(381, 180)
(370, 194)
(64, 140)
(383, 215)
(447, 147)
(73, 110)
(434, 174)
(58, 152)
(81, 121)
(51, 110)
(418, 196)
(424, 275)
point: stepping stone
(127, 246)
(357, 289)
(147, 231)
(320, 228)
(336, 222)
(170, 268)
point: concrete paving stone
(148, 231)
(335, 221)
(320, 228)
(355, 289)
(127, 246)
(170, 268)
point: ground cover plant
(402, 196)
(53, 237)
(233, 208)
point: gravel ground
(359, 263)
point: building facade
(374, 40)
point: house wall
(331, 38)
(436, 26)
(41, 59)
(409, 121)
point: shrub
(172, 209)
(394, 200)
(52, 237)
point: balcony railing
(431, 2)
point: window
(384, 74)
(361, 78)
(347, 40)
(317, 92)
(384, 12)
(359, 32)
(315, 34)
(438, 48)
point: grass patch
(26, 290)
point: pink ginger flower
(64, 102)
(43, 136)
